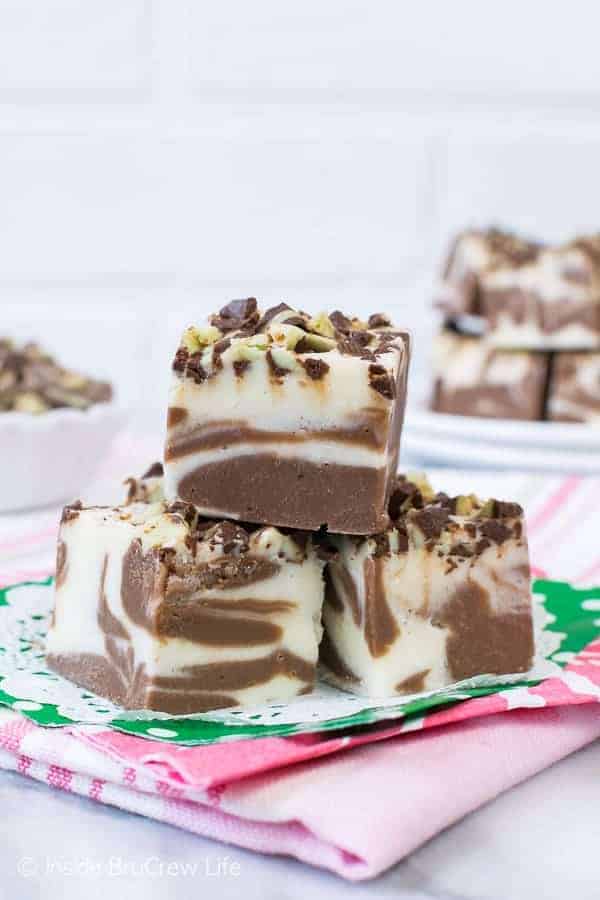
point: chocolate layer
(482, 641)
(291, 492)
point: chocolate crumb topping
(71, 512)
(156, 470)
(237, 315)
(195, 369)
(240, 366)
(432, 520)
(378, 320)
(181, 359)
(503, 510)
(233, 538)
(276, 371)
(270, 314)
(298, 321)
(340, 322)
(315, 368)
(180, 508)
(382, 382)
(218, 349)
(461, 550)
(354, 343)
(495, 531)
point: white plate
(547, 435)
(434, 438)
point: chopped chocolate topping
(503, 510)
(471, 529)
(276, 370)
(378, 320)
(155, 471)
(181, 359)
(240, 366)
(270, 314)
(195, 368)
(382, 382)
(340, 322)
(233, 538)
(403, 491)
(354, 343)
(461, 550)
(432, 521)
(237, 315)
(496, 531)
(218, 349)
(315, 368)
(298, 321)
(239, 309)
(71, 512)
(180, 508)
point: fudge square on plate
(473, 253)
(442, 595)
(156, 608)
(473, 379)
(574, 394)
(280, 418)
(550, 303)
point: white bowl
(48, 458)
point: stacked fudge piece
(278, 533)
(521, 335)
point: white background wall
(158, 157)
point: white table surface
(539, 840)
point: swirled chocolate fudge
(473, 254)
(574, 394)
(440, 596)
(157, 608)
(473, 379)
(550, 303)
(282, 418)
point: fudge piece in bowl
(440, 596)
(158, 609)
(31, 381)
(281, 418)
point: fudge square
(442, 595)
(280, 418)
(574, 394)
(473, 253)
(550, 303)
(473, 379)
(158, 609)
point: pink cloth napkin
(355, 813)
